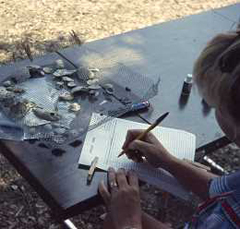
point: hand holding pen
(147, 146)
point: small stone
(14, 187)
(103, 102)
(71, 84)
(58, 152)
(91, 75)
(35, 71)
(73, 133)
(79, 89)
(7, 83)
(60, 85)
(127, 89)
(236, 160)
(67, 79)
(48, 127)
(109, 91)
(108, 85)
(32, 141)
(10, 88)
(18, 90)
(108, 88)
(94, 87)
(48, 70)
(75, 143)
(91, 92)
(63, 72)
(92, 81)
(85, 74)
(94, 70)
(75, 107)
(59, 64)
(42, 145)
(97, 93)
(66, 96)
(60, 130)
(103, 216)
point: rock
(48, 127)
(60, 130)
(60, 85)
(67, 79)
(18, 90)
(42, 145)
(75, 107)
(84, 73)
(71, 84)
(59, 64)
(14, 187)
(75, 143)
(48, 70)
(94, 87)
(66, 96)
(109, 88)
(92, 81)
(7, 83)
(63, 72)
(94, 70)
(58, 152)
(79, 89)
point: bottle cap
(189, 78)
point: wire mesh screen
(101, 86)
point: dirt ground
(46, 25)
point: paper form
(106, 142)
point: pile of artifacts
(44, 101)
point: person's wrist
(168, 162)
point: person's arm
(195, 179)
(192, 178)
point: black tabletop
(167, 50)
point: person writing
(217, 77)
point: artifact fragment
(71, 84)
(75, 107)
(79, 89)
(46, 115)
(59, 64)
(66, 96)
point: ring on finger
(113, 184)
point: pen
(151, 127)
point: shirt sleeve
(225, 183)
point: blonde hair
(217, 73)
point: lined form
(106, 142)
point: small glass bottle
(187, 85)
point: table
(169, 50)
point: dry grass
(46, 23)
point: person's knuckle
(124, 191)
(135, 190)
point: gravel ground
(46, 26)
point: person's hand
(149, 147)
(123, 199)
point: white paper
(106, 142)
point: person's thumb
(141, 146)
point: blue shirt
(215, 215)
